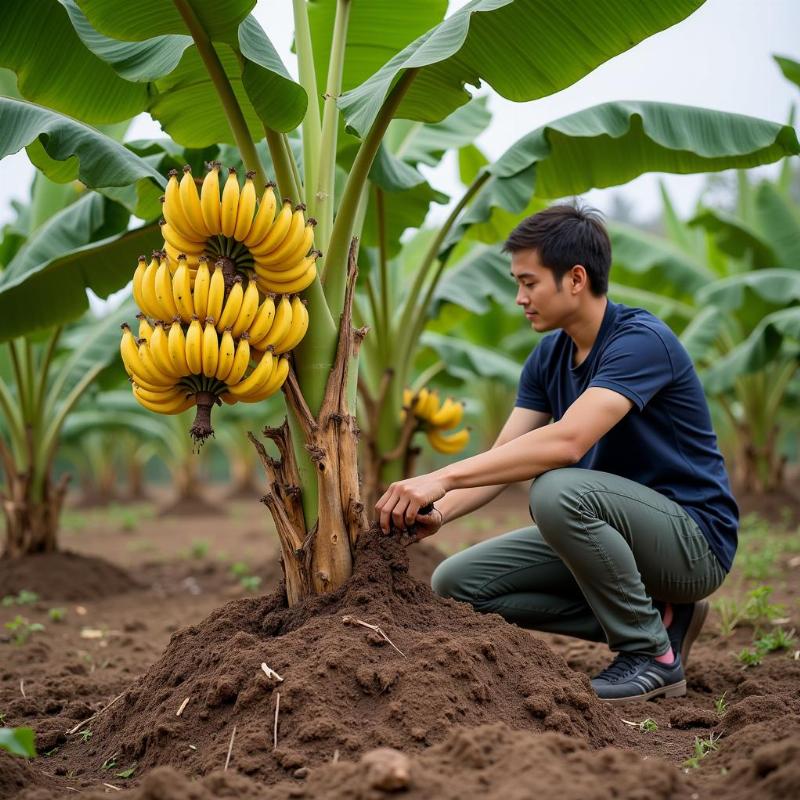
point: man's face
(546, 305)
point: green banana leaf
(790, 69)
(464, 360)
(84, 246)
(702, 333)
(735, 237)
(779, 221)
(613, 143)
(777, 332)
(775, 286)
(491, 41)
(675, 313)
(18, 741)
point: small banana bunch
(202, 344)
(435, 416)
(248, 235)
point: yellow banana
(263, 218)
(260, 325)
(175, 406)
(241, 359)
(280, 371)
(129, 351)
(232, 306)
(432, 406)
(182, 291)
(297, 330)
(280, 325)
(164, 293)
(247, 205)
(150, 304)
(190, 200)
(289, 287)
(173, 208)
(449, 444)
(137, 380)
(288, 275)
(194, 352)
(248, 310)
(449, 415)
(227, 352)
(256, 379)
(191, 247)
(145, 330)
(420, 402)
(291, 249)
(216, 292)
(159, 351)
(137, 280)
(176, 345)
(151, 371)
(210, 349)
(277, 232)
(173, 255)
(161, 395)
(201, 287)
(209, 199)
(230, 203)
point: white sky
(720, 57)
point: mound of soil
(345, 688)
(64, 576)
(470, 764)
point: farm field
(734, 735)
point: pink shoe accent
(666, 658)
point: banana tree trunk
(31, 524)
(319, 559)
(759, 467)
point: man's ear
(578, 278)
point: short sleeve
(532, 391)
(635, 364)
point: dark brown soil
(64, 576)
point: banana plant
(373, 104)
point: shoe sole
(696, 623)
(673, 690)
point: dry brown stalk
(183, 705)
(230, 748)
(89, 719)
(348, 620)
(275, 724)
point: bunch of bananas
(200, 345)
(435, 416)
(248, 236)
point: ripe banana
(159, 351)
(194, 338)
(289, 287)
(263, 218)
(145, 330)
(280, 371)
(151, 371)
(137, 280)
(209, 199)
(449, 415)
(201, 288)
(248, 310)
(280, 325)
(150, 304)
(216, 292)
(277, 231)
(173, 208)
(164, 293)
(240, 361)
(449, 444)
(247, 205)
(176, 344)
(296, 244)
(297, 330)
(230, 203)
(182, 291)
(190, 201)
(288, 275)
(175, 406)
(190, 247)
(260, 325)
(192, 260)
(256, 379)
(161, 395)
(129, 351)
(227, 353)
(210, 349)
(232, 306)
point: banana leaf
(735, 237)
(464, 360)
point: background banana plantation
(426, 307)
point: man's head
(560, 259)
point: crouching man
(634, 520)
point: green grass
(720, 705)
(23, 598)
(702, 747)
(56, 614)
(22, 629)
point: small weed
(56, 614)
(109, 763)
(757, 565)
(23, 598)
(648, 725)
(777, 639)
(750, 658)
(22, 629)
(127, 773)
(731, 613)
(199, 548)
(86, 734)
(2, 717)
(702, 747)
(52, 751)
(720, 705)
(250, 582)
(239, 569)
(758, 608)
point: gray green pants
(603, 548)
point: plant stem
(335, 274)
(219, 78)
(44, 368)
(428, 374)
(323, 201)
(312, 127)
(383, 258)
(281, 161)
(23, 393)
(14, 424)
(298, 182)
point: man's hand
(402, 500)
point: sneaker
(636, 676)
(687, 622)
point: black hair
(565, 235)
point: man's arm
(561, 444)
(459, 502)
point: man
(634, 519)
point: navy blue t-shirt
(666, 441)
